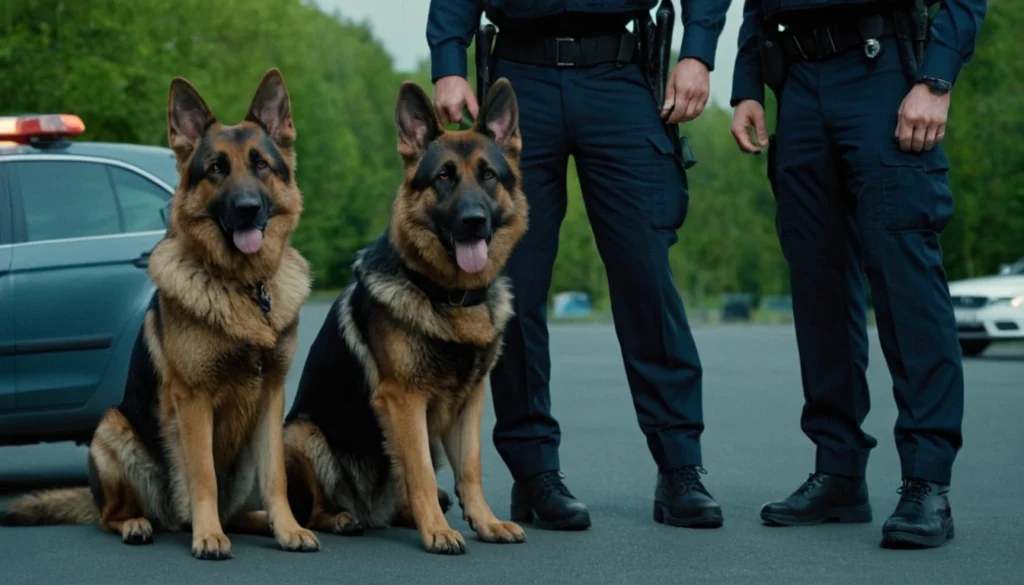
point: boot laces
(549, 482)
(814, 481)
(687, 479)
(914, 490)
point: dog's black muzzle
(472, 220)
(242, 210)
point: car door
(7, 373)
(78, 270)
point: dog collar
(261, 295)
(456, 297)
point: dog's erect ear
(499, 115)
(272, 109)
(416, 120)
(187, 117)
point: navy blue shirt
(451, 25)
(954, 32)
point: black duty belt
(567, 51)
(823, 41)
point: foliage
(111, 61)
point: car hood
(988, 286)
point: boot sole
(526, 514)
(703, 519)
(908, 540)
(849, 515)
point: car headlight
(1015, 302)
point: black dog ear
(188, 117)
(499, 115)
(272, 109)
(416, 120)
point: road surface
(753, 448)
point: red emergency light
(35, 127)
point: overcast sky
(401, 27)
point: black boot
(922, 519)
(680, 499)
(545, 501)
(822, 498)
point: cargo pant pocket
(916, 193)
(670, 197)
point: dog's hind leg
(252, 522)
(462, 445)
(114, 450)
(403, 512)
(304, 444)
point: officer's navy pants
(851, 202)
(636, 196)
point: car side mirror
(1004, 269)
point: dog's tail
(61, 506)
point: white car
(989, 308)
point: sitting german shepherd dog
(200, 422)
(395, 379)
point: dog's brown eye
(261, 164)
(488, 174)
(445, 175)
(216, 168)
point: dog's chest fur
(215, 339)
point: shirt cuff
(746, 87)
(941, 62)
(448, 59)
(699, 43)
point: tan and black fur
(199, 427)
(395, 380)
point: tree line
(111, 62)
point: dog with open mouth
(394, 383)
(196, 442)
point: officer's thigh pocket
(670, 195)
(916, 194)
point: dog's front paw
(298, 539)
(444, 541)
(500, 532)
(211, 546)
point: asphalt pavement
(753, 449)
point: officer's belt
(566, 51)
(821, 42)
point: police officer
(573, 65)
(862, 185)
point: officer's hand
(922, 119)
(686, 92)
(749, 113)
(450, 94)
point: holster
(483, 41)
(655, 40)
(773, 62)
(911, 37)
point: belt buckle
(558, 51)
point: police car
(77, 223)
(989, 309)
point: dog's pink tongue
(471, 256)
(248, 241)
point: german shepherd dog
(394, 382)
(200, 424)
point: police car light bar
(25, 129)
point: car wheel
(973, 347)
